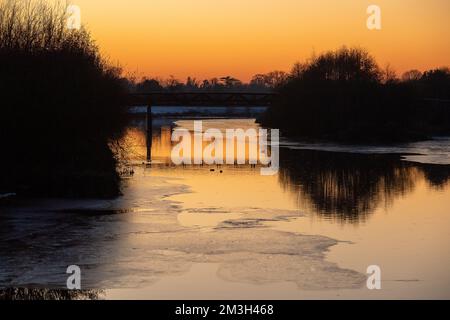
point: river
(227, 232)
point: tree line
(345, 96)
(259, 83)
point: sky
(240, 38)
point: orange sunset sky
(213, 38)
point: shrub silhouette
(61, 105)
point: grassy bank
(61, 105)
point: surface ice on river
(137, 239)
(436, 151)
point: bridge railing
(210, 99)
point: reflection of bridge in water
(197, 99)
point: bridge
(202, 99)
(196, 99)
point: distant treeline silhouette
(259, 83)
(60, 105)
(345, 96)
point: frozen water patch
(436, 151)
(137, 247)
(253, 256)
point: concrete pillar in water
(149, 132)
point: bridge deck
(199, 99)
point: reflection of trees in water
(48, 294)
(348, 187)
(438, 176)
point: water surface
(227, 232)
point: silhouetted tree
(61, 105)
(148, 85)
(343, 95)
(269, 80)
(412, 75)
(436, 83)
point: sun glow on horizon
(205, 39)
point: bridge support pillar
(149, 133)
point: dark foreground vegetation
(344, 96)
(60, 106)
(39, 294)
